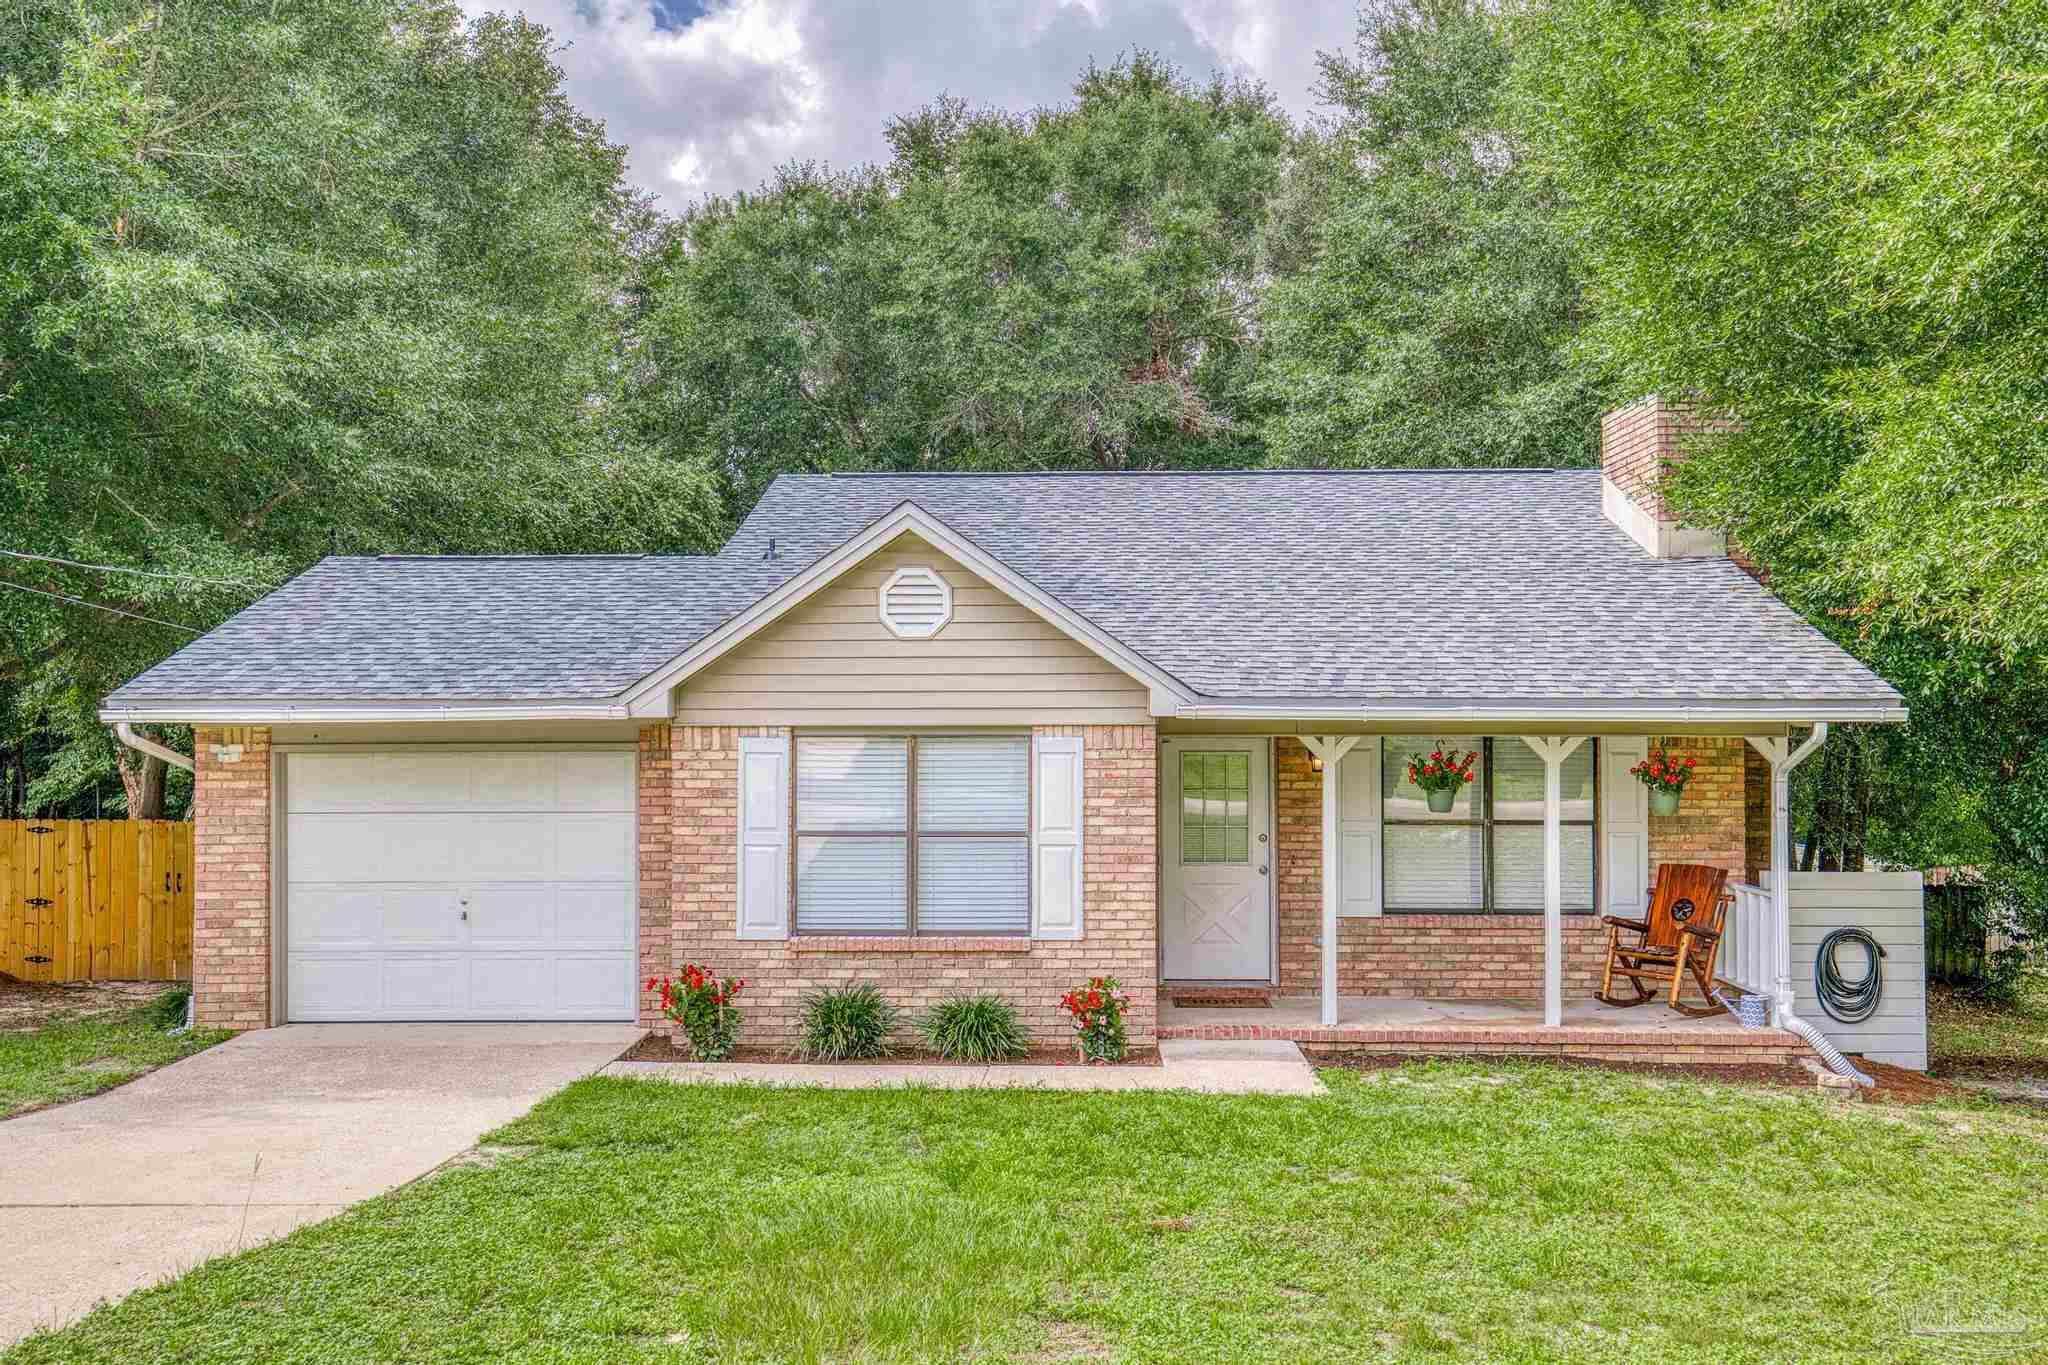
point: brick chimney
(1637, 444)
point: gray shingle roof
(402, 628)
(1367, 586)
(1388, 584)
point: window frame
(911, 834)
(1486, 822)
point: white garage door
(460, 885)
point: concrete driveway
(249, 1140)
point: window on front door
(1215, 807)
(1485, 854)
(913, 834)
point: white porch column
(1553, 752)
(1783, 759)
(1330, 749)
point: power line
(145, 573)
(100, 606)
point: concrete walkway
(251, 1139)
(1218, 1068)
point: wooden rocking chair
(1680, 936)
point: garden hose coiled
(1846, 1001)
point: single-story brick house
(1000, 732)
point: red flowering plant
(1098, 1009)
(702, 1003)
(1663, 771)
(1441, 769)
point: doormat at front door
(1222, 998)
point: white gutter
(1783, 1014)
(1424, 713)
(341, 712)
(142, 745)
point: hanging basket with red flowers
(1442, 773)
(1665, 774)
(702, 1003)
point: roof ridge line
(1188, 473)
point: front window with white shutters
(913, 834)
(1486, 852)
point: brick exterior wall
(231, 879)
(1471, 957)
(688, 841)
(1120, 788)
(1712, 824)
(656, 796)
(1756, 814)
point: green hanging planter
(1664, 800)
(1442, 800)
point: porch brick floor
(1646, 1033)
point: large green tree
(280, 277)
(1830, 219)
(1069, 288)
(1425, 302)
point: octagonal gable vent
(916, 603)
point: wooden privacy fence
(96, 900)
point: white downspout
(125, 732)
(1782, 1012)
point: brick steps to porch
(1668, 1046)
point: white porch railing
(1746, 943)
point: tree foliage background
(284, 278)
(281, 279)
(1831, 219)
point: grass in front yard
(1441, 1211)
(66, 1055)
(1965, 1032)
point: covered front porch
(1302, 866)
(1384, 1024)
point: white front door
(1216, 920)
(460, 884)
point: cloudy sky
(711, 95)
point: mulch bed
(26, 1006)
(656, 1047)
(1895, 1084)
(1744, 1074)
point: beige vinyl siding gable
(831, 661)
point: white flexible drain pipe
(1829, 1053)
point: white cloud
(711, 95)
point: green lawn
(1968, 1033)
(70, 1055)
(1442, 1211)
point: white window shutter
(1358, 831)
(1056, 813)
(764, 837)
(1624, 826)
